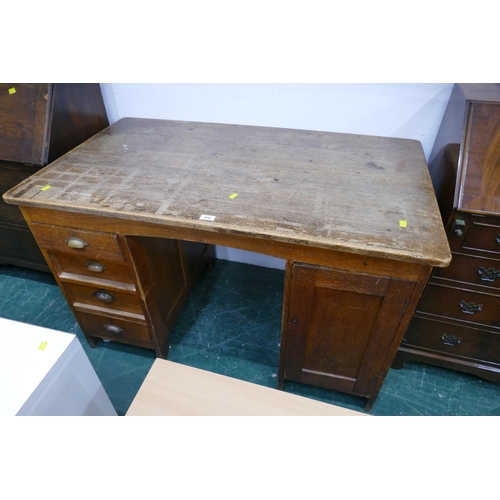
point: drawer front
(474, 233)
(483, 237)
(462, 305)
(453, 340)
(82, 243)
(93, 298)
(120, 330)
(68, 267)
(470, 269)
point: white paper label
(208, 217)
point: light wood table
(175, 389)
(124, 221)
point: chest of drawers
(39, 122)
(457, 321)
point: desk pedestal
(342, 328)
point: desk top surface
(362, 194)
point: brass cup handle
(95, 267)
(76, 243)
(104, 296)
(113, 329)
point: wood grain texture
(175, 389)
(39, 122)
(480, 172)
(318, 189)
(24, 111)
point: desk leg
(166, 271)
(284, 323)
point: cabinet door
(24, 122)
(341, 327)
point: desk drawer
(453, 340)
(111, 328)
(93, 298)
(463, 305)
(94, 244)
(470, 269)
(69, 266)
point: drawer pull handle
(114, 330)
(489, 274)
(76, 243)
(497, 239)
(450, 340)
(104, 297)
(95, 267)
(470, 307)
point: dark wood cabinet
(457, 321)
(39, 122)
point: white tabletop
(27, 354)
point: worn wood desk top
(320, 189)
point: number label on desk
(208, 217)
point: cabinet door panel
(341, 326)
(335, 315)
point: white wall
(405, 110)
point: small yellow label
(12, 90)
(43, 345)
(402, 223)
(233, 196)
(45, 188)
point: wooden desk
(126, 222)
(175, 389)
